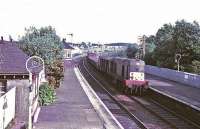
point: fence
(7, 108)
(178, 76)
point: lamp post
(177, 60)
(34, 65)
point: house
(70, 51)
(76, 51)
(67, 50)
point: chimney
(10, 38)
(1, 38)
(64, 39)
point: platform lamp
(34, 65)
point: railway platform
(73, 108)
(184, 93)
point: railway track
(177, 107)
(121, 113)
(125, 114)
(151, 114)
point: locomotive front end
(136, 83)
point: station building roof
(12, 59)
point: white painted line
(103, 112)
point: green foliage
(149, 58)
(132, 50)
(182, 38)
(45, 43)
(195, 66)
(150, 44)
(56, 74)
(42, 42)
(47, 95)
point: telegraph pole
(142, 44)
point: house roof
(12, 59)
(67, 45)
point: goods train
(126, 74)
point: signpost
(34, 65)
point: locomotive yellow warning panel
(137, 76)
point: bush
(47, 94)
(196, 66)
(55, 73)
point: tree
(132, 50)
(182, 38)
(45, 43)
(164, 34)
(150, 44)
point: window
(69, 55)
(122, 70)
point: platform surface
(188, 94)
(72, 109)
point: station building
(15, 85)
(12, 64)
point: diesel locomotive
(126, 74)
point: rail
(137, 120)
(162, 111)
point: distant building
(67, 50)
(72, 49)
(116, 47)
(76, 51)
(96, 49)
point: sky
(102, 21)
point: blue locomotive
(126, 74)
